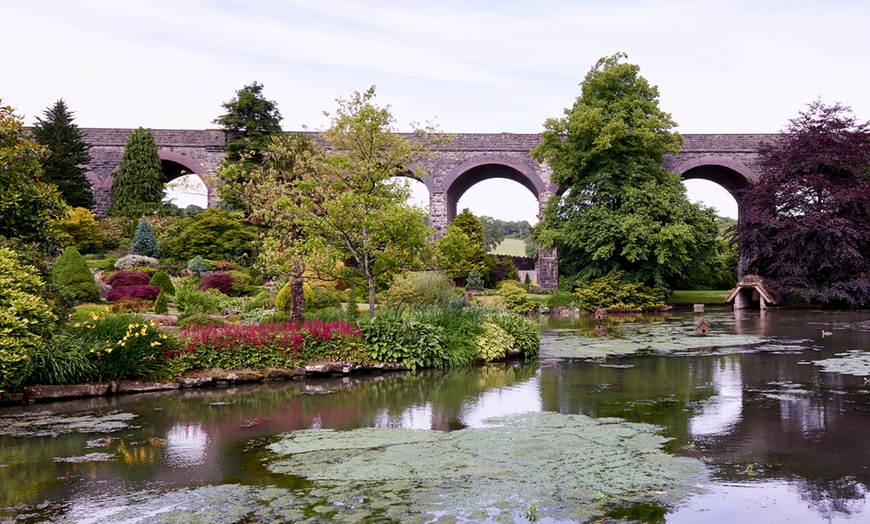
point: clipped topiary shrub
(128, 278)
(243, 284)
(71, 271)
(161, 305)
(144, 292)
(323, 298)
(222, 282)
(161, 279)
(134, 261)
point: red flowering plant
(240, 346)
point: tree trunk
(297, 299)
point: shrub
(503, 268)
(493, 343)
(190, 301)
(79, 228)
(214, 234)
(561, 298)
(26, 319)
(515, 297)
(197, 264)
(474, 281)
(611, 293)
(263, 300)
(200, 319)
(130, 305)
(222, 282)
(283, 298)
(144, 242)
(161, 306)
(416, 344)
(161, 279)
(71, 271)
(523, 331)
(101, 264)
(128, 278)
(242, 282)
(422, 288)
(134, 261)
(145, 292)
(323, 298)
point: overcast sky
(467, 66)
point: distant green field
(698, 297)
(510, 246)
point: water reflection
(783, 438)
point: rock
(75, 391)
(135, 386)
(281, 373)
(194, 382)
(245, 375)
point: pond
(635, 418)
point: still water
(779, 437)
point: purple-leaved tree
(805, 225)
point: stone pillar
(438, 213)
(547, 269)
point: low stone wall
(207, 378)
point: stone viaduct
(729, 160)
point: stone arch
(175, 165)
(729, 173)
(484, 167)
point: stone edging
(199, 379)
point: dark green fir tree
(68, 155)
(144, 242)
(139, 184)
(250, 121)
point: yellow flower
(155, 344)
(121, 343)
(94, 316)
(108, 350)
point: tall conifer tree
(139, 181)
(68, 154)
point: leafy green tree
(71, 272)
(68, 154)
(28, 204)
(493, 232)
(144, 242)
(139, 185)
(278, 196)
(620, 210)
(250, 122)
(362, 215)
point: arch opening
(493, 188)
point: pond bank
(200, 378)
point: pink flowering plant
(240, 346)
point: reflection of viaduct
(729, 160)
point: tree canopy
(362, 216)
(68, 154)
(805, 225)
(139, 184)
(619, 208)
(250, 120)
(28, 204)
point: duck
(826, 333)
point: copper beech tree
(805, 225)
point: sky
(465, 66)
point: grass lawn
(699, 297)
(510, 246)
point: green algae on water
(567, 466)
(854, 362)
(51, 424)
